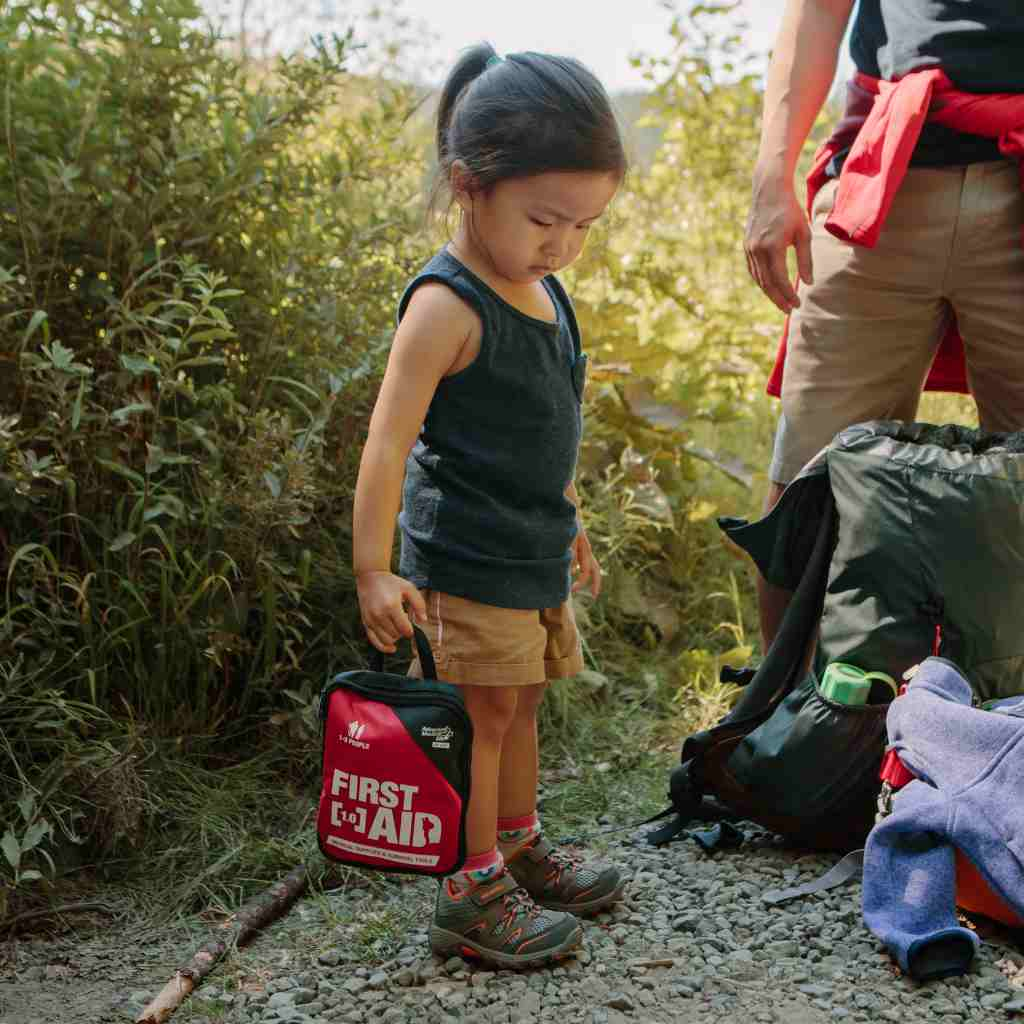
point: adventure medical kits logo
(441, 735)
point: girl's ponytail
(470, 66)
(527, 114)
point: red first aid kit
(396, 757)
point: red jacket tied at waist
(881, 127)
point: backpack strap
(842, 871)
(783, 665)
(775, 678)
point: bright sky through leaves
(602, 34)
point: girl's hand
(383, 597)
(584, 564)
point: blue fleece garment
(969, 765)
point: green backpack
(900, 540)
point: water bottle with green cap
(847, 684)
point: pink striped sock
(481, 867)
(515, 833)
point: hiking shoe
(560, 880)
(497, 923)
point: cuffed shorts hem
(477, 644)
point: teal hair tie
(494, 59)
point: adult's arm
(801, 71)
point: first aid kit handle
(423, 651)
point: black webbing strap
(423, 652)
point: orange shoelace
(561, 861)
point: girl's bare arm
(436, 328)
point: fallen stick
(244, 924)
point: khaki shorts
(864, 337)
(481, 645)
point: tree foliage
(199, 263)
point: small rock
(816, 991)
(528, 1008)
(813, 923)
(620, 1001)
(330, 958)
(994, 1000)
(994, 982)
(279, 999)
(741, 970)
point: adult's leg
(864, 337)
(987, 291)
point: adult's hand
(776, 223)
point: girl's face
(528, 227)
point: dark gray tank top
(484, 512)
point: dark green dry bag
(899, 541)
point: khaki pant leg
(865, 335)
(986, 288)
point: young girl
(479, 414)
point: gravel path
(693, 941)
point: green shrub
(679, 341)
(199, 265)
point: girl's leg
(480, 911)
(518, 766)
(553, 877)
(492, 710)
